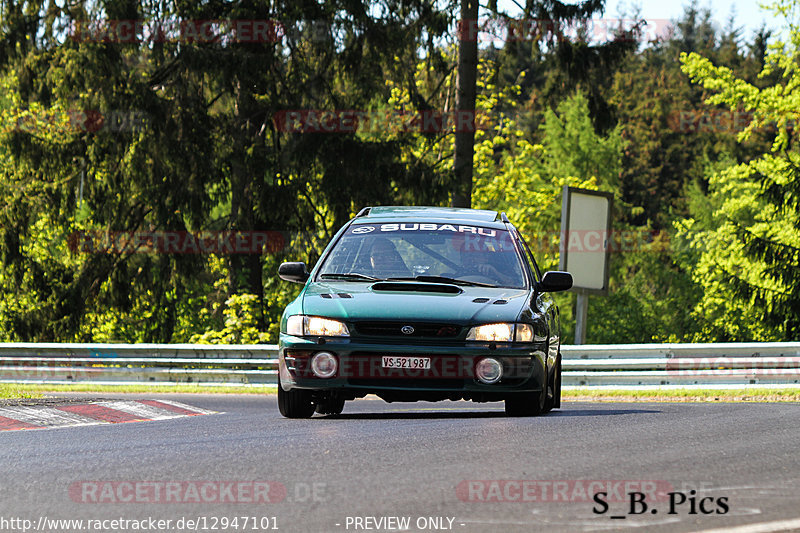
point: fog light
(489, 370)
(324, 365)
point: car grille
(395, 329)
(454, 384)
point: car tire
(295, 403)
(331, 406)
(553, 399)
(526, 404)
(557, 395)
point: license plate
(415, 363)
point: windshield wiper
(350, 276)
(444, 279)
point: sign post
(584, 249)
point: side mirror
(555, 281)
(293, 271)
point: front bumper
(451, 375)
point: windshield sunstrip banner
(364, 229)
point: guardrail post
(581, 310)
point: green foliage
(204, 154)
(744, 252)
(525, 180)
(748, 250)
(242, 316)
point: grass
(17, 391)
(662, 395)
(684, 395)
(36, 390)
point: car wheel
(553, 399)
(295, 403)
(333, 405)
(526, 404)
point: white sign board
(585, 231)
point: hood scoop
(484, 300)
(390, 286)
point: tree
(466, 89)
(750, 248)
(207, 155)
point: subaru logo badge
(407, 330)
(362, 229)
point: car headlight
(524, 333)
(315, 326)
(492, 332)
(502, 332)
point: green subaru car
(422, 303)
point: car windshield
(454, 253)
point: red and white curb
(93, 413)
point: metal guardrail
(682, 365)
(208, 364)
(593, 366)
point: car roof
(424, 213)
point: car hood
(354, 301)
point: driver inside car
(489, 264)
(386, 261)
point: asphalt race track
(447, 466)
